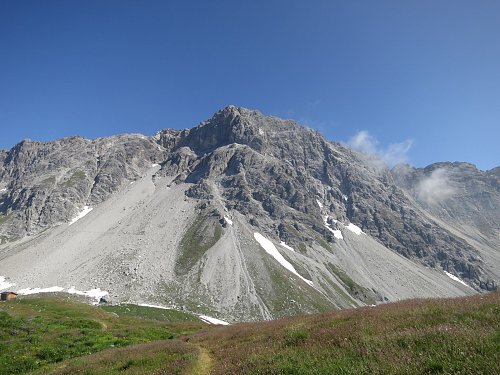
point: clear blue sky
(420, 70)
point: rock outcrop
(244, 216)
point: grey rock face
(172, 234)
(465, 200)
(457, 192)
(274, 171)
(49, 183)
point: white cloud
(435, 188)
(391, 155)
(364, 142)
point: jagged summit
(245, 216)
(235, 125)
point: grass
(40, 332)
(5, 218)
(324, 244)
(159, 357)
(346, 280)
(440, 336)
(292, 296)
(453, 336)
(49, 181)
(302, 248)
(75, 178)
(162, 315)
(200, 236)
(353, 288)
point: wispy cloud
(435, 188)
(391, 155)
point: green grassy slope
(162, 315)
(43, 333)
(453, 336)
(60, 336)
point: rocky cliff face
(346, 231)
(276, 172)
(462, 199)
(45, 184)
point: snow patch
(319, 203)
(345, 197)
(84, 212)
(204, 318)
(210, 320)
(261, 131)
(154, 306)
(228, 220)
(3, 190)
(453, 277)
(28, 291)
(269, 247)
(96, 294)
(336, 232)
(155, 165)
(4, 284)
(286, 246)
(354, 228)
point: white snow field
(354, 228)
(269, 247)
(95, 294)
(336, 232)
(453, 277)
(210, 320)
(286, 246)
(81, 214)
(4, 284)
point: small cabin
(8, 296)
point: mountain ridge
(182, 207)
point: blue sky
(419, 76)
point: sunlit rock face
(172, 219)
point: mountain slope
(462, 199)
(243, 217)
(45, 184)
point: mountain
(243, 217)
(463, 200)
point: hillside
(61, 336)
(243, 217)
(42, 333)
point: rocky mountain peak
(227, 126)
(192, 203)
